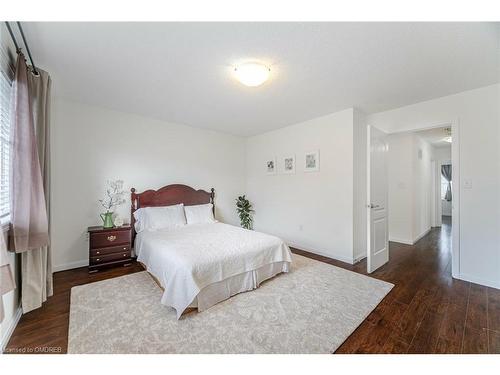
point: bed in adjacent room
(196, 260)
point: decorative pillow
(156, 218)
(201, 213)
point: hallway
(428, 311)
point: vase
(107, 219)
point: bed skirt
(224, 289)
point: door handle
(371, 205)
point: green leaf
(244, 210)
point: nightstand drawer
(124, 255)
(111, 238)
(109, 247)
(109, 250)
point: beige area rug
(312, 309)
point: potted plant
(113, 198)
(244, 209)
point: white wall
(422, 156)
(312, 211)
(400, 187)
(477, 114)
(410, 178)
(359, 185)
(92, 144)
(442, 154)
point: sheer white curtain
(30, 176)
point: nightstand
(109, 247)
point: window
(444, 187)
(5, 89)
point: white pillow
(140, 222)
(156, 218)
(201, 213)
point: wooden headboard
(167, 196)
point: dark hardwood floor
(46, 329)
(426, 312)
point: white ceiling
(435, 136)
(181, 72)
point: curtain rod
(12, 36)
(24, 41)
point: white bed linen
(187, 260)
(201, 213)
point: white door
(377, 194)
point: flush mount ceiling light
(252, 74)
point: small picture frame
(271, 166)
(311, 161)
(289, 164)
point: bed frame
(167, 196)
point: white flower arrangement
(114, 195)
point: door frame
(455, 189)
(435, 189)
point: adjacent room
(420, 183)
(250, 187)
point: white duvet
(188, 259)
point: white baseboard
(12, 326)
(480, 281)
(409, 242)
(71, 265)
(400, 240)
(421, 235)
(331, 256)
(359, 258)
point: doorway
(421, 167)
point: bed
(202, 263)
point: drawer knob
(111, 238)
(124, 255)
(97, 260)
(124, 248)
(97, 252)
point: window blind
(5, 89)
